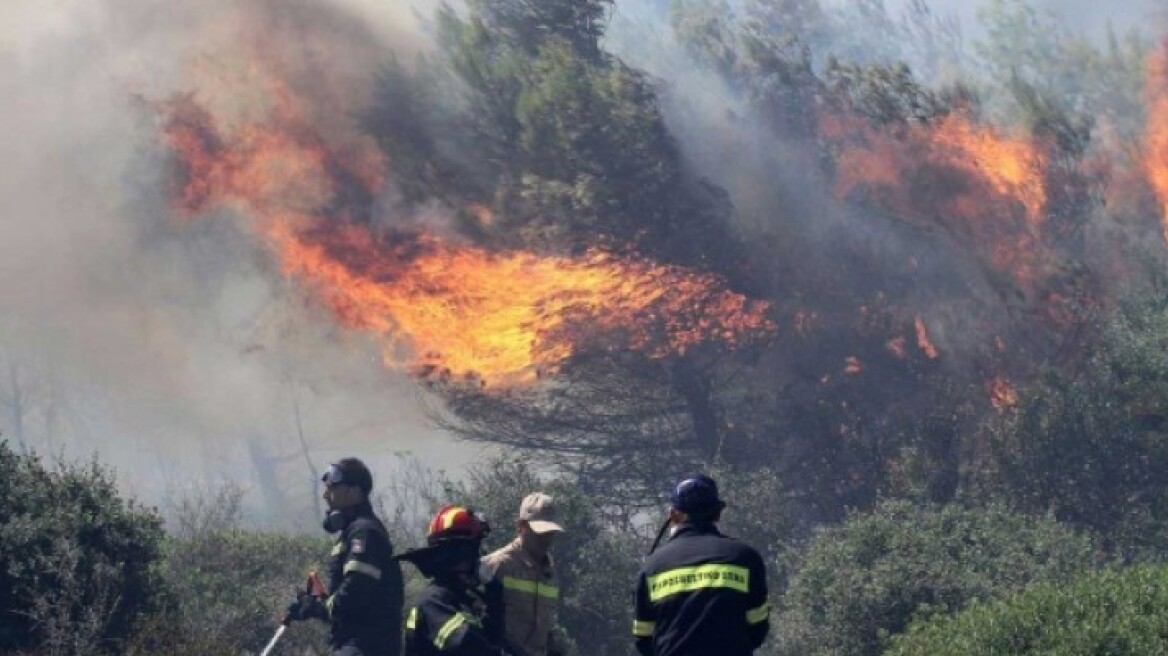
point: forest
(898, 283)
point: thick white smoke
(164, 345)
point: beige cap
(539, 511)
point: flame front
(457, 310)
(984, 188)
(1156, 159)
(1014, 167)
(505, 318)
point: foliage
(1027, 47)
(1091, 447)
(1117, 612)
(228, 587)
(863, 581)
(76, 558)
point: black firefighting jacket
(701, 593)
(364, 602)
(450, 620)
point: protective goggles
(333, 476)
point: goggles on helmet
(333, 476)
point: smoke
(171, 346)
(168, 346)
(1080, 16)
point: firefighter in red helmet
(451, 615)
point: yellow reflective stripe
(364, 568)
(531, 587)
(644, 629)
(338, 549)
(329, 603)
(756, 615)
(700, 577)
(456, 620)
(412, 619)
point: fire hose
(315, 588)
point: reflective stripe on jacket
(364, 601)
(530, 598)
(447, 620)
(701, 593)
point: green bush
(76, 559)
(1118, 612)
(864, 580)
(227, 587)
(1091, 446)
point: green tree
(1022, 44)
(226, 586)
(574, 153)
(1091, 446)
(1117, 612)
(76, 558)
(864, 580)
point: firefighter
(455, 613)
(702, 592)
(528, 577)
(363, 600)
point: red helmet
(455, 523)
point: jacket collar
(690, 528)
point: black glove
(306, 607)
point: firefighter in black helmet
(701, 593)
(363, 602)
(455, 614)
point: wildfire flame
(923, 340)
(1156, 160)
(984, 187)
(1002, 394)
(853, 365)
(438, 307)
(1014, 167)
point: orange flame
(923, 340)
(1156, 159)
(896, 346)
(983, 187)
(1002, 394)
(1014, 167)
(502, 318)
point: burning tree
(593, 301)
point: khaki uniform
(530, 598)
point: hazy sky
(1088, 16)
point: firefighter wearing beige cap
(528, 577)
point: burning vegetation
(441, 308)
(592, 296)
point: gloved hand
(306, 607)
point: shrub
(866, 579)
(227, 587)
(1117, 612)
(75, 557)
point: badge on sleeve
(357, 546)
